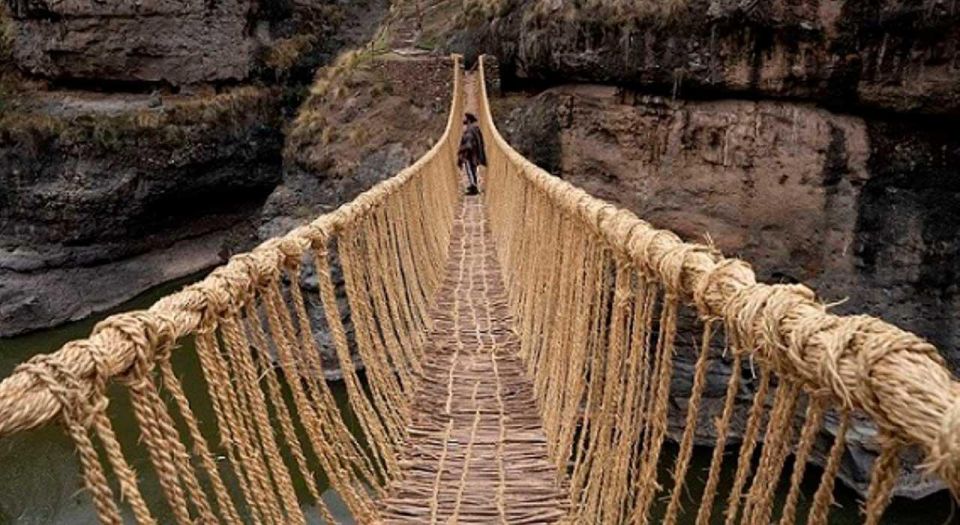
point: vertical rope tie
(808, 436)
(596, 296)
(157, 429)
(129, 489)
(823, 498)
(682, 461)
(78, 416)
(670, 267)
(883, 478)
(747, 446)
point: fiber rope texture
(521, 359)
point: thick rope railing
(602, 301)
(599, 295)
(278, 423)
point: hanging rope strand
(521, 354)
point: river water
(40, 483)
(39, 472)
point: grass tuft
(230, 112)
(286, 53)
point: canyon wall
(893, 55)
(368, 117)
(814, 138)
(140, 139)
(865, 211)
(175, 41)
(96, 207)
(803, 194)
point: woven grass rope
(519, 353)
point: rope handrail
(894, 376)
(596, 296)
(26, 403)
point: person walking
(471, 154)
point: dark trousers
(471, 173)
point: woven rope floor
(476, 451)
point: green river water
(39, 480)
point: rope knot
(802, 339)
(835, 344)
(602, 213)
(248, 265)
(670, 266)
(620, 230)
(944, 458)
(316, 232)
(775, 310)
(641, 245)
(740, 314)
(292, 252)
(708, 290)
(214, 304)
(150, 335)
(65, 387)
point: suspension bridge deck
(476, 451)
(455, 432)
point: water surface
(40, 481)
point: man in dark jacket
(471, 154)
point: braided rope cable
(897, 378)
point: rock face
(89, 186)
(859, 209)
(863, 210)
(710, 120)
(109, 191)
(899, 55)
(172, 41)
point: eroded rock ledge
(139, 139)
(102, 197)
(173, 41)
(894, 55)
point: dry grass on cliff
(9, 78)
(286, 53)
(609, 11)
(367, 101)
(173, 124)
(332, 83)
(6, 34)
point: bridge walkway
(476, 451)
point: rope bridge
(519, 354)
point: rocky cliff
(864, 210)
(812, 137)
(139, 140)
(896, 55)
(93, 189)
(370, 114)
(174, 41)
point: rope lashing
(526, 355)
